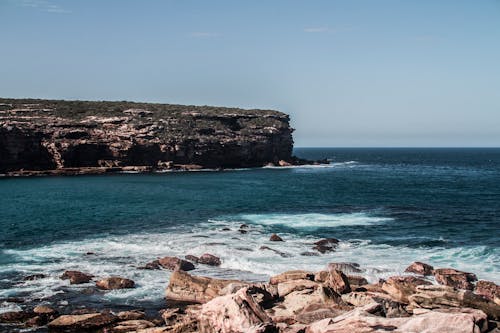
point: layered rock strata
(74, 137)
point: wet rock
(283, 254)
(33, 277)
(155, 264)
(131, 315)
(454, 278)
(345, 267)
(326, 245)
(309, 254)
(192, 258)
(238, 313)
(356, 280)
(401, 287)
(209, 259)
(420, 268)
(132, 326)
(488, 289)
(275, 238)
(174, 263)
(225, 229)
(44, 310)
(76, 277)
(115, 282)
(292, 275)
(244, 226)
(82, 322)
(15, 316)
(437, 296)
(358, 320)
(187, 288)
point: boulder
(356, 280)
(235, 313)
(15, 316)
(337, 281)
(132, 325)
(419, 268)
(436, 296)
(315, 312)
(454, 278)
(326, 245)
(275, 238)
(33, 277)
(361, 321)
(345, 267)
(389, 308)
(286, 287)
(292, 275)
(155, 264)
(83, 322)
(401, 287)
(115, 282)
(209, 259)
(192, 258)
(488, 289)
(44, 310)
(174, 263)
(186, 288)
(76, 277)
(131, 315)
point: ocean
(388, 208)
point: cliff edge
(55, 136)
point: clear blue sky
(350, 73)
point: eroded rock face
(50, 134)
(187, 288)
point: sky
(350, 73)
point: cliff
(85, 137)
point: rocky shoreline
(336, 299)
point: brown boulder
(401, 287)
(192, 258)
(83, 322)
(187, 288)
(389, 308)
(131, 315)
(292, 275)
(174, 263)
(436, 296)
(356, 280)
(209, 259)
(237, 313)
(155, 264)
(326, 245)
(345, 267)
(337, 281)
(44, 310)
(115, 282)
(132, 326)
(15, 316)
(420, 268)
(315, 312)
(275, 238)
(488, 289)
(361, 321)
(454, 278)
(76, 277)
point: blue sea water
(388, 207)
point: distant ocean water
(389, 207)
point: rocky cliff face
(64, 135)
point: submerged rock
(76, 277)
(209, 259)
(115, 282)
(275, 238)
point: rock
(309, 254)
(115, 282)
(328, 242)
(283, 254)
(33, 277)
(174, 263)
(155, 264)
(275, 238)
(360, 321)
(292, 275)
(337, 281)
(419, 268)
(454, 278)
(315, 312)
(242, 231)
(209, 259)
(187, 288)
(15, 316)
(192, 258)
(132, 326)
(131, 315)
(76, 277)
(244, 226)
(236, 313)
(401, 287)
(436, 296)
(345, 267)
(286, 287)
(356, 280)
(82, 322)
(488, 289)
(284, 163)
(44, 310)
(389, 308)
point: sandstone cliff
(71, 135)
